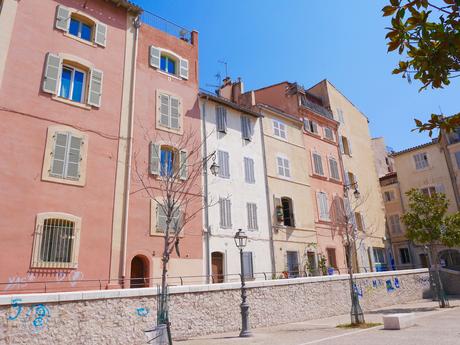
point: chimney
(231, 90)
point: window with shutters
(283, 167)
(288, 211)
(248, 266)
(221, 119)
(159, 216)
(345, 146)
(340, 116)
(389, 196)
(395, 224)
(169, 112)
(251, 209)
(328, 133)
(359, 221)
(334, 169)
(56, 240)
(379, 255)
(331, 257)
(351, 178)
(421, 161)
(246, 128)
(404, 256)
(168, 161)
(279, 129)
(223, 159)
(166, 61)
(72, 80)
(65, 156)
(249, 176)
(311, 126)
(323, 207)
(225, 212)
(318, 164)
(81, 26)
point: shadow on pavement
(402, 310)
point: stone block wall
(123, 316)
(450, 281)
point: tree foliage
(427, 221)
(427, 34)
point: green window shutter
(58, 161)
(183, 70)
(63, 18)
(154, 165)
(52, 71)
(100, 37)
(175, 113)
(73, 158)
(155, 56)
(95, 88)
(183, 165)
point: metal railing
(165, 25)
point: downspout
(267, 193)
(205, 197)
(137, 24)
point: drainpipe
(137, 24)
(267, 193)
(206, 200)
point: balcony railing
(165, 25)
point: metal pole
(245, 332)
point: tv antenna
(223, 62)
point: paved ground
(434, 326)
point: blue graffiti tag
(142, 311)
(396, 282)
(389, 285)
(15, 304)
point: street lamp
(214, 166)
(356, 313)
(241, 239)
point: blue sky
(268, 41)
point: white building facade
(236, 196)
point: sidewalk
(433, 326)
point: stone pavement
(434, 326)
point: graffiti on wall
(34, 317)
(369, 287)
(18, 282)
(142, 311)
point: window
(318, 164)
(248, 269)
(389, 196)
(288, 212)
(310, 126)
(64, 79)
(292, 263)
(168, 62)
(429, 191)
(328, 134)
(421, 160)
(334, 169)
(323, 206)
(81, 26)
(379, 255)
(175, 224)
(246, 128)
(225, 208)
(283, 167)
(331, 257)
(56, 240)
(457, 159)
(359, 221)
(345, 146)
(249, 170)
(224, 163)
(65, 156)
(169, 111)
(168, 161)
(279, 129)
(252, 216)
(404, 256)
(221, 119)
(80, 29)
(340, 116)
(395, 224)
(350, 178)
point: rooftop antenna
(219, 81)
(226, 66)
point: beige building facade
(384, 163)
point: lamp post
(241, 240)
(356, 313)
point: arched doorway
(139, 272)
(217, 262)
(450, 258)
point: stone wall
(122, 316)
(450, 281)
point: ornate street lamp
(240, 241)
(356, 313)
(214, 166)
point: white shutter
(52, 71)
(154, 162)
(161, 219)
(228, 211)
(349, 146)
(306, 125)
(174, 112)
(164, 107)
(62, 18)
(73, 158)
(341, 144)
(183, 165)
(95, 88)
(100, 36)
(223, 160)
(314, 126)
(221, 119)
(246, 127)
(155, 57)
(183, 70)
(59, 154)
